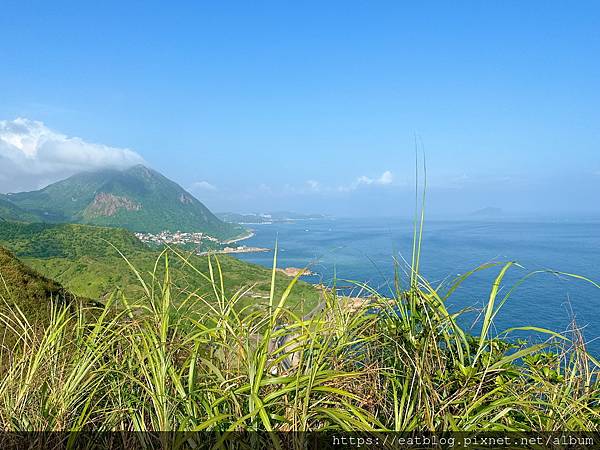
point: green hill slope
(27, 288)
(10, 211)
(138, 198)
(82, 258)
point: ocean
(364, 250)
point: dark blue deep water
(364, 250)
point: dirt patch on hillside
(108, 204)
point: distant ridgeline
(138, 199)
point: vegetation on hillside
(24, 287)
(88, 261)
(400, 364)
(10, 211)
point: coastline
(248, 235)
(294, 271)
(231, 250)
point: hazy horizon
(312, 107)
(402, 208)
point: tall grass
(173, 361)
(167, 362)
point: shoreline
(294, 271)
(232, 251)
(248, 235)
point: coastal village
(197, 239)
(176, 238)
(226, 247)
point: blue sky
(313, 106)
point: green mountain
(138, 198)
(88, 261)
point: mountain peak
(138, 198)
(142, 169)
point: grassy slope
(82, 258)
(27, 288)
(401, 364)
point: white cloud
(203, 186)
(32, 155)
(313, 185)
(364, 180)
(386, 178)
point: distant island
(266, 218)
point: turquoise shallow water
(364, 250)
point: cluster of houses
(178, 237)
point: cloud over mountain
(32, 155)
